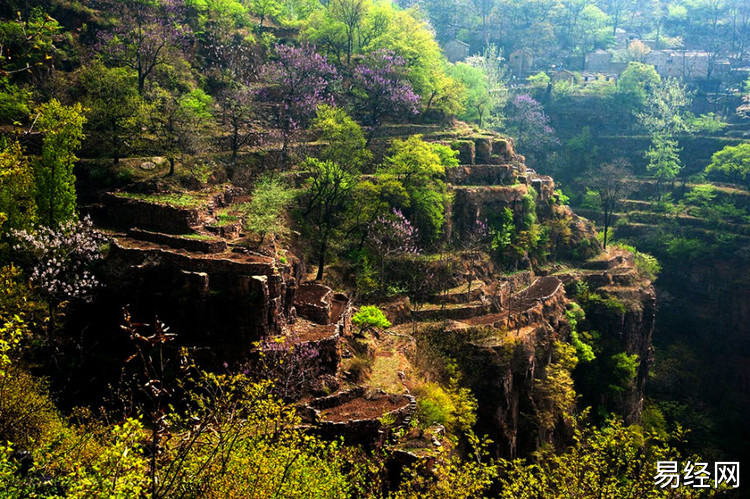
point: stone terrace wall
(481, 175)
(367, 430)
(126, 213)
(197, 245)
(477, 203)
(221, 302)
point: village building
(456, 50)
(598, 60)
(589, 77)
(686, 64)
(521, 62)
(564, 75)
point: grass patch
(223, 219)
(384, 374)
(177, 200)
(198, 237)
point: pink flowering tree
(390, 236)
(381, 89)
(63, 258)
(297, 81)
(530, 125)
(289, 364)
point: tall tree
(344, 142)
(62, 127)
(479, 102)
(665, 118)
(17, 204)
(419, 168)
(115, 107)
(297, 82)
(329, 192)
(238, 111)
(144, 34)
(733, 162)
(350, 13)
(529, 124)
(611, 183)
(334, 178)
(265, 212)
(26, 42)
(663, 160)
(381, 89)
(178, 122)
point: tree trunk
(171, 166)
(322, 259)
(235, 144)
(606, 228)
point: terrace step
(455, 312)
(459, 295)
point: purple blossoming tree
(390, 236)
(381, 90)
(289, 364)
(530, 125)
(297, 82)
(147, 31)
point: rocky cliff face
(223, 299)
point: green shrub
(610, 304)
(265, 210)
(370, 317)
(454, 407)
(434, 405)
(584, 352)
(624, 368)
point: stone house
(456, 50)
(589, 77)
(598, 60)
(521, 61)
(685, 64)
(564, 75)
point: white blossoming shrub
(63, 258)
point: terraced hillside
(701, 235)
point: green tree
(17, 204)
(14, 101)
(613, 461)
(497, 77)
(27, 41)
(732, 162)
(479, 101)
(329, 195)
(370, 317)
(264, 9)
(265, 211)
(62, 127)
(343, 139)
(179, 122)
(664, 113)
(114, 106)
(664, 117)
(634, 85)
(554, 394)
(420, 168)
(663, 160)
(611, 182)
